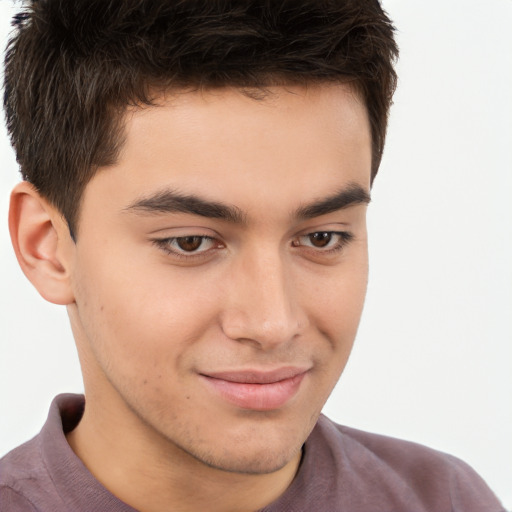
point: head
(204, 169)
(73, 69)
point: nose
(262, 305)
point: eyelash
(165, 244)
(344, 237)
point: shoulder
(397, 455)
(30, 473)
(21, 472)
(12, 501)
(22, 463)
(414, 472)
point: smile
(259, 391)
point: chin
(260, 463)
(257, 449)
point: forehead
(322, 101)
(228, 122)
(228, 146)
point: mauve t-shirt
(342, 469)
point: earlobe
(42, 243)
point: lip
(257, 390)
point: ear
(42, 243)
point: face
(220, 271)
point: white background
(433, 358)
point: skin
(259, 294)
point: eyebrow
(171, 201)
(351, 195)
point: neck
(152, 474)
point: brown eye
(320, 239)
(189, 243)
(324, 242)
(189, 247)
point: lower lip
(258, 397)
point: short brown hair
(73, 67)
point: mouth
(257, 390)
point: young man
(196, 182)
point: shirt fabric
(342, 470)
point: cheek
(337, 299)
(336, 309)
(139, 324)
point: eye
(190, 243)
(324, 241)
(187, 246)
